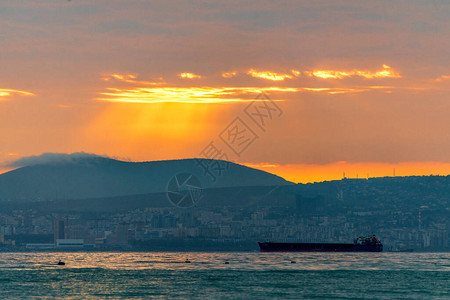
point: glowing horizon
(312, 173)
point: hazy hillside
(91, 177)
(388, 193)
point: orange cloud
(4, 93)
(385, 72)
(296, 73)
(11, 154)
(189, 76)
(260, 165)
(326, 74)
(130, 78)
(205, 94)
(153, 92)
(188, 94)
(332, 91)
(442, 78)
(121, 77)
(229, 74)
(268, 75)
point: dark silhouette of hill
(100, 177)
(243, 197)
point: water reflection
(236, 261)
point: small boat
(61, 263)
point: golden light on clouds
(333, 91)
(229, 74)
(5, 93)
(189, 76)
(260, 166)
(326, 74)
(9, 153)
(160, 92)
(131, 78)
(268, 75)
(385, 72)
(188, 94)
(296, 73)
(122, 77)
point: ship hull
(318, 247)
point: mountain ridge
(97, 176)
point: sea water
(121, 275)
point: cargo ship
(362, 244)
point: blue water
(248, 275)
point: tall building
(2, 235)
(59, 230)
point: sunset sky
(361, 87)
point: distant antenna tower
(394, 172)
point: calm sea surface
(248, 275)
